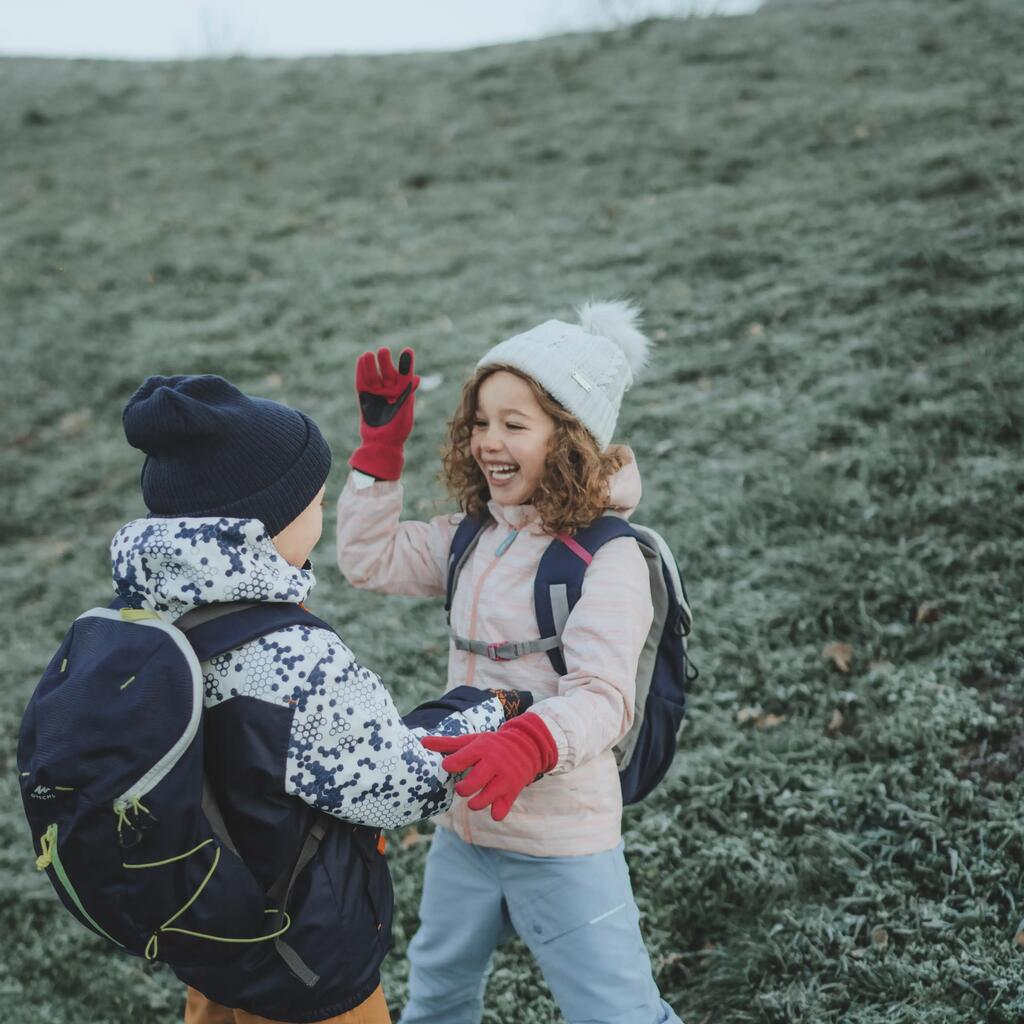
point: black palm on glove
(386, 406)
(379, 407)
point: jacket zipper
(475, 607)
(471, 669)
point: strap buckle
(492, 651)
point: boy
(293, 724)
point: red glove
(386, 412)
(503, 763)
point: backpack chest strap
(505, 650)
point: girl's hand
(386, 406)
(503, 763)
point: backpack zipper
(152, 778)
(50, 857)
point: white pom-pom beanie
(585, 367)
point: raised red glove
(503, 763)
(386, 404)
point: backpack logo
(42, 792)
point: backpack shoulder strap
(559, 580)
(467, 533)
(670, 569)
(212, 630)
(223, 627)
(281, 894)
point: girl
(528, 449)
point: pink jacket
(577, 808)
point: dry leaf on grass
(880, 937)
(52, 551)
(670, 960)
(839, 654)
(74, 424)
(757, 715)
(846, 701)
(928, 611)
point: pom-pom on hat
(213, 451)
(585, 367)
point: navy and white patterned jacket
(292, 722)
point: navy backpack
(128, 828)
(646, 751)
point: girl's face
(510, 439)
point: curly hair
(573, 490)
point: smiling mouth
(500, 472)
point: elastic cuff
(565, 754)
(537, 730)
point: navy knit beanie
(213, 451)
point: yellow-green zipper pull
(47, 842)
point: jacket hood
(624, 488)
(624, 492)
(173, 565)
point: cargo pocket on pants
(584, 931)
(588, 899)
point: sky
(174, 29)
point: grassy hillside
(822, 212)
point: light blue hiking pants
(576, 914)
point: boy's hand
(502, 763)
(386, 406)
